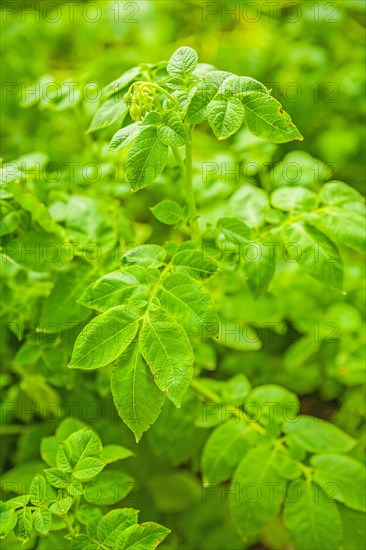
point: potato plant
(167, 326)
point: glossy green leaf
(173, 132)
(225, 117)
(86, 468)
(312, 519)
(343, 477)
(273, 403)
(166, 349)
(189, 302)
(224, 449)
(314, 252)
(345, 225)
(317, 436)
(112, 110)
(23, 528)
(168, 212)
(104, 338)
(113, 453)
(235, 230)
(266, 119)
(337, 192)
(146, 159)
(183, 62)
(125, 136)
(146, 536)
(115, 288)
(256, 491)
(114, 523)
(122, 82)
(146, 255)
(37, 490)
(57, 477)
(42, 519)
(83, 444)
(194, 263)
(137, 398)
(108, 488)
(293, 199)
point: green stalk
(190, 191)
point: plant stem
(190, 191)
(214, 397)
(69, 526)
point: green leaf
(168, 212)
(345, 224)
(63, 456)
(293, 199)
(235, 230)
(273, 404)
(146, 159)
(136, 396)
(146, 536)
(266, 119)
(36, 208)
(354, 528)
(113, 453)
(57, 477)
(314, 252)
(42, 519)
(183, 62)
(38, 489)
(205, 92)
(242, 85)
(225, 117)
(84, 444)
(313, 521)
(104, 338)
(317, 436)
(259, 267)
(250, 204)
(189, 302)
(86, 468)
(62, 506)
(125, 136)
(108, 488)
(23, 528)
(193, 263)
(61, 307)
(337, 192)
(166, 349)
(173, 132)
(113, 109)
(38, 251)
(114, 523)
(122, 82)
(8, 520)
(146, 255)
(256, 491)
(114, 288)
(342, 477)
(224, 449)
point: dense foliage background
(303, 335)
